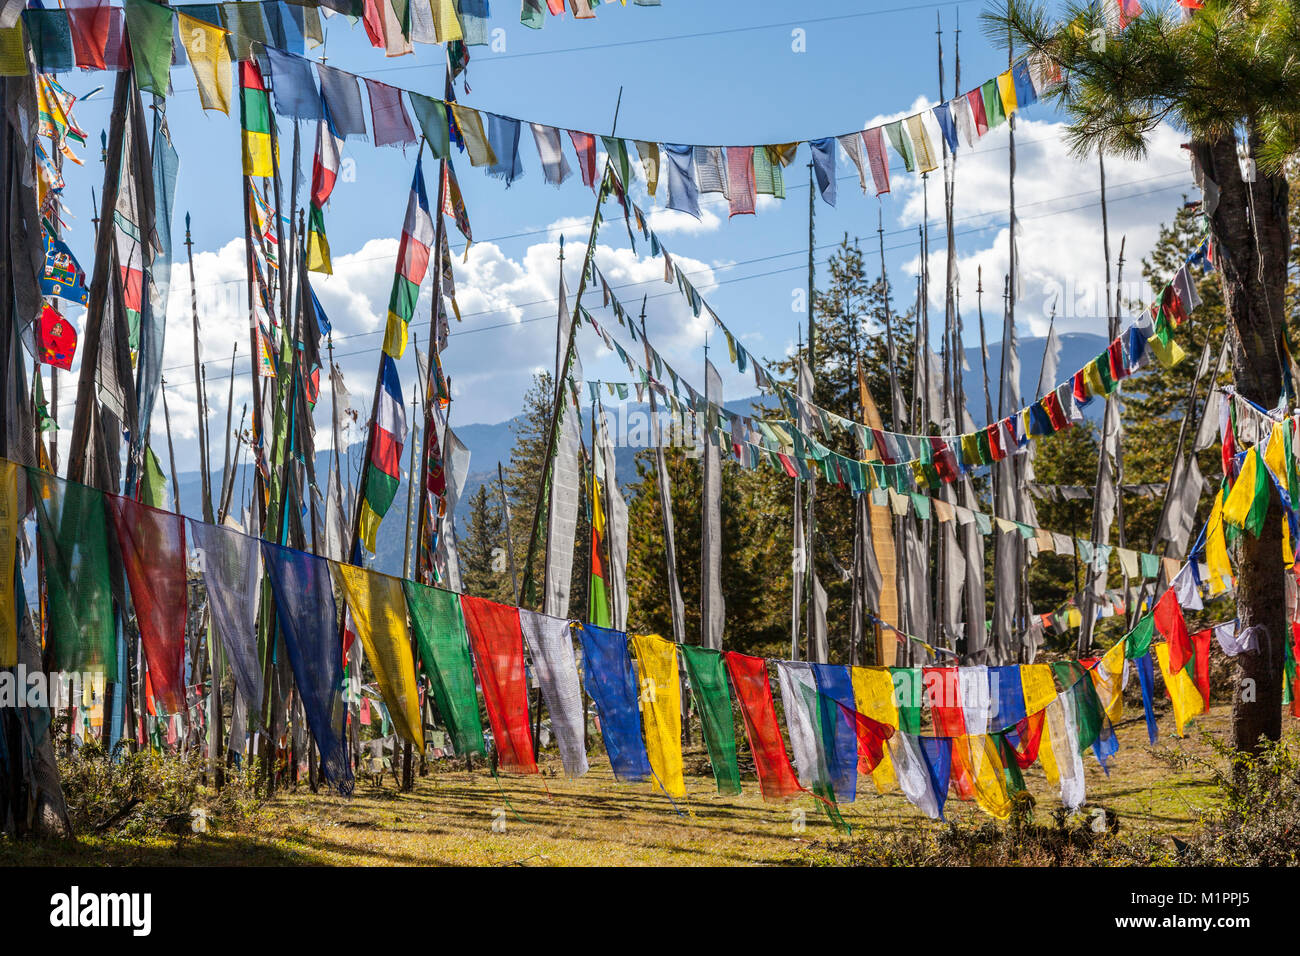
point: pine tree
(527, 462)
(1227, 68)
(482, 549)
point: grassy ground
(449, 819)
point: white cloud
(1058, 207)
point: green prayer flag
(708, 676)
(1138, 640)
(73, 532)
(153, 484)
(907, 693)
(444, 652)
(149, 26)
(431, 114)
(993, 111)
(902, 145)
(1081, 694)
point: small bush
(149, 794)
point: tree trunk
(1252, 239)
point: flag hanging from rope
(444, 651)
(498, 643)
(152, 545)
(661, 709)
(379, 615)
(776, 776)
(609, 679)
(708, 679)
(304, 606)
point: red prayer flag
(152, 543)
(942, 690)
(58, 339)
(88, 22)
(1169, 622)
(372, 18)
(776, 776)
(585, 146)
(995, 442)
(498, 643)
(1030, 733)
(976, 100)
(1201, 666)
(872, 735)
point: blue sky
(719, 73)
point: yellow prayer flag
(1216, 549)
(873, 695)
(9, 519)
(446, 25)
(1007, 90)
(1039, 686)
(1275, 453)
(378, 609)
(318, 253)
(1183, 692)
(925, 161)
(1108, 678)
(1046, 753)
(649, 153)
(369, 526)
(470, 125)
(990, 786)
(209, 54)
(13, 51)
(783, 153)
(661, 709)
(1237, 507)
(1169, 355)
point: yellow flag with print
(1038, 685)
(873, 695)
(661, 709)
(205, 45)
(378, 609)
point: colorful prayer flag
(412, 263)
(255, 119)
(384, 470)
